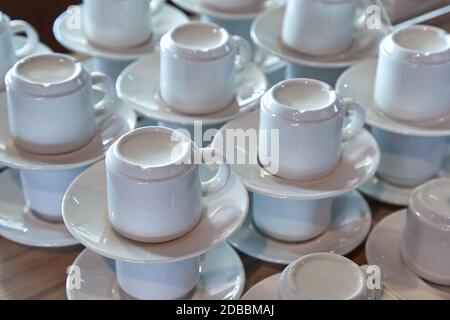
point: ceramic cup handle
(156, 5)
(356, 116)
(102, 82)
(18, 26)
(212, 156)
(243, 52)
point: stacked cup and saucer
(320, 38)
(115, 33)
(201, 78)
(321, 276)
(236, 16)
(301, 157)
(154, 227)
(56, 120)
(411, 245)
(406, 96)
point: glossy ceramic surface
(139, 85)
(86, 216)
(359, 161)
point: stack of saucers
(52, 128)
(236, 17)
(202, 78)
(302, 172)
(411, 245)
(406, 96)
(318, 38)
(115, 33)
(153, 229)
(321, 276)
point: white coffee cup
(319, 27)
(158, 281)
(233, 5)
(323, 276)
(44, 190)
(118, 24)
(50, 104)
(291, 220)
(309, 116)
(8, 56)
(198, 67)
(153, 184)
(426, 237)
(409, 160)
(412, 79)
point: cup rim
(390, 46)
(291, 290)
(420, 208)
(115, 159)
(72, 83)
(224, 47)
(271, 103)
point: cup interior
(325, 277)
(422, 40)
(154, 147)
(200, 36)
(304, 95)
(48, 69)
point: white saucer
(222, 277)
(360, 159)
(358, 83)
(350, 224)
(201, 7)
(111, 128)
(20, 225)
(138, 84)
(86, 216)
(267, 289)
(383, 249)
(266, 33)
(383, 191)
(73, 38)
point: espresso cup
(153, 184)
(198, 67)
(158, 281)
(9, 55)
(409, 160)
(44, 190)
(50, 103)
(233, 5)
(309, 116)
(412, 80)
(118, 24)
(319, 27)
(291, 220)
(323, 276)
(426, 236)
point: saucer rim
(185, 119)
(201, 9)
(9, 235)
(368, 215)
(295, 59)
(32, 165)
(408, 129)
(370, 193)
(239, 282)
(117, 256)
(100, 52)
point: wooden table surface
(34, 273)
